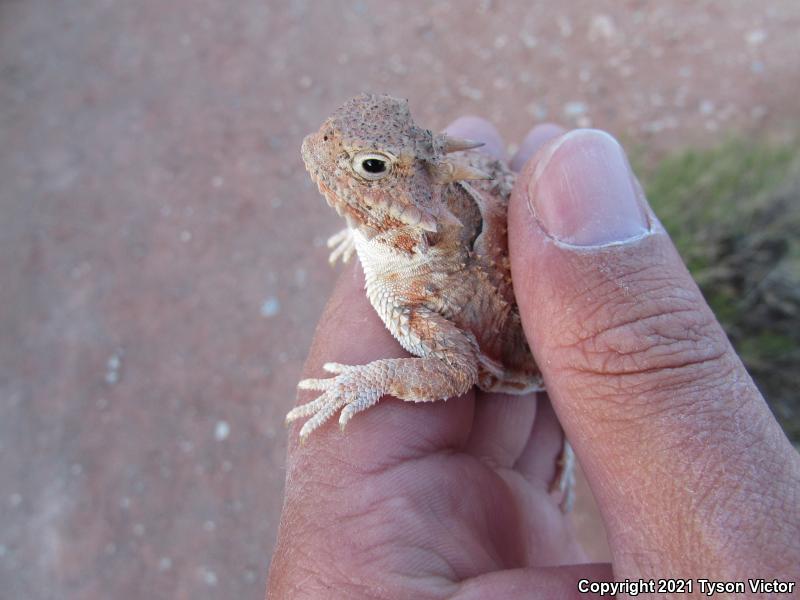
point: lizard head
(378, 169)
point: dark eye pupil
(373, 165)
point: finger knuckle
(645, 338)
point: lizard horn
(454, 144)
(411, 215)
(447, 172)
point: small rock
(564, 26)
(756, 37)
(574, 109)
(221, 431)
(470, 92)
(270, 307)
(528, 40)
(209, 576)
(706, 107)
(300, 277)
(602, 27)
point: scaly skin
(426, 215)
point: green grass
(733, 212)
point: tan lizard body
(426, 215)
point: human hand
(693, 475)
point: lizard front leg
(448, 367)
(342, 244)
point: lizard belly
(396, 285)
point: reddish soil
(161, 247)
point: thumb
(691, 472)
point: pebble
(574, 109)
(209, 577)
(113, 365)
(706, 107)
(756, 37)
(221, 431)
(270, 307)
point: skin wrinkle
(378, 536)
(551, 583)
(375, 507)
(493, 550)
(669, 544)
(606, 358)
(719, 520)
(589, 366)
(617, 399)
(664, 349)
(605, 308)
(764, 498)
(364, 554)
(536, 493)
(651, 341)
(444, 514)
(423, 452)
(592, 350)
(619, 266)
(706, 465)
(357, 471)
(710, 457)
(657, 313)
(341, 471)
(513, 414)
(603, 300)
(307, 575)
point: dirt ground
(161, 248)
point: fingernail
(533, 141)
(583, 191)
(480, 130)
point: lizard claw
(315, 384)
(350, 390)
(324, 384)
(343, 245)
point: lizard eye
(372, 165)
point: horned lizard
(426, 214)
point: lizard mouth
(307, 154)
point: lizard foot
(351, 390)
(564, 480)
(343, 245)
